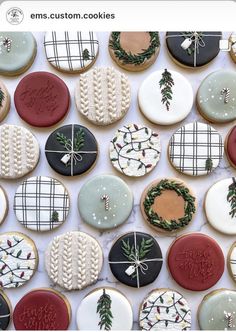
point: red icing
(196, 261)
(42, 99)
(231, 146)
(41, 310)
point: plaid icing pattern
(41, 203)
(66, 50)
(192, 145)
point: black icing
(118, 270)
(54, 158)
(5, 313)
(206, 53)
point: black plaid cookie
(71, 51)
(196, 149)
(41, 203)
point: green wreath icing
(156, 220)
(128, 57)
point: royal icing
(105, 202)
(4, 101)
(71, 51)
(230, 146)
(5, 311)
(71, 150)
(104, 309)
(232, 261)
(41, 203)
(3, 205)
(135, 259)
(19, 151)
(232, 41)
(165, 309)
(18, 259)
(220, 206)
(135, 150)
(165, 97)
(196, 149)
(103, 95)
(74, 260)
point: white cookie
(3, 205)
(4, 101)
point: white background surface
(135, 222)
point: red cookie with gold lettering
(230, 146)
(196, 261)
(42, 309)
(42, 99)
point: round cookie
(134, 50)
(71, 51)
(73, 260)
(195, 261)
(231, 261)
(42, 99)
(168, 205)
(232, 40)
(5, 101)
(104, 309)
(5, 311)
(17, 52)
(19, 151)
(165, 97)
(41, 203)
(42, 309)
(217, 310)
(230, 146)
(3, 205)
(196, 149)
(18, 259)
(193, 49)
(135, 150)
(71, 150)
(216, 97)
(220, 206)
(105, 202)
(165, 309)
(135, 259)
(103, 95)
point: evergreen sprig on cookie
(104, 311)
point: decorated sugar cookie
(232, 40)
(5, 101)
(19, 151)
(42, 309)
(103, 95)
(165, 309)
(135, 150)
(71, 150)
(165, 97)
(196, 149)
(231, 261)
(17, 52)
(42, 99)
(193, 49)
(230, 146)
(134, 50)
(220, 206)
(216, 97)
(105, 202)
(135, 259)
(104, 309)
(73, 260)
(71, 51)
(5, 311)
(41, 203)
(217, 310)
(168, 205)
(3, 205)
(18, 259)
(196, 261)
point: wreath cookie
(168, 205)
(5, 101)
(134, 51)
(232, 40)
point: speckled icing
(105, 202)
(215, 311)
(216, 104)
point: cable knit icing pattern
(74, 260)
(103, 95)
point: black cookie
(136, 259)
(5, 311)
(193, 48)
(71, 150)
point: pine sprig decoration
(141, 250)
(166, 83)
(86, 54)
(55, 216)
(209, 165)
(62, 139)
(231, 198)
(2, 97)
(79, 140)
(104, 311)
